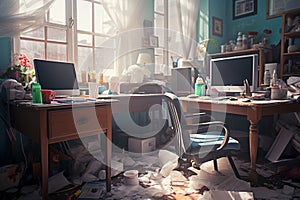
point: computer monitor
(227, 74)
(57, 76)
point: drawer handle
(82, 121)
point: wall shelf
(288, 66)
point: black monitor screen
(232, 72)
(54, 75)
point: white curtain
(126, 15)
(187, 17)
(19, 16)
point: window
(76, 37)
(160, 25)
(93, 28)
(50, 41)
(167, 29)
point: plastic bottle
(239, 41)
(208, 89)
(274, 81)
(267, 77)
(199, 86)
(36, 93)
(244, 42)
(100, 78)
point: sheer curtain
(187, 17)
(125, 15)
(19, 16)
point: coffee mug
(48, 96)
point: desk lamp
(143, 59)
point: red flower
(24, 61)
(267, 31)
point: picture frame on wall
(217, 26)
(153, 41)
(275, 8)
(148, 28)
(244, 8)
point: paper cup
(93, 90)
(131, 177)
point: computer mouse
(233, 99)
(245, 100)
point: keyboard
(70, 99)
(77, 99)
(199, 97)
(221, 98)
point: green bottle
(199, 86)
(36, 93)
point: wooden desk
(52, 123)
(254, 111)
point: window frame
(72, 43)
(164, 46)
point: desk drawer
(77, 122)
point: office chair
(210, 142)
(150, 88)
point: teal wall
(5, 52)
(259, 22)
(217, 10)
(203, 21)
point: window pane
(158, 62)
(57, 35)
(99, 41)
(32, 49)
(159, 21)
(103, 24)
(84, 39)
(57, 52)
(159, 28)
(104, 57)
(37, 34)
(57, 12)
(84, 15)
(85, 59)
(159, 5)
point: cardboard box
(138, 145)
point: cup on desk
(101, 89)
(93, 90)
(48, 96)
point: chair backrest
(150, 88)
(182, 137)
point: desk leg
(44, 154)
(44, 161)
(14, 144)
(108, 164)
(253, 141)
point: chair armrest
(195, 115)
(206, 125)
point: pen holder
(175, 64)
